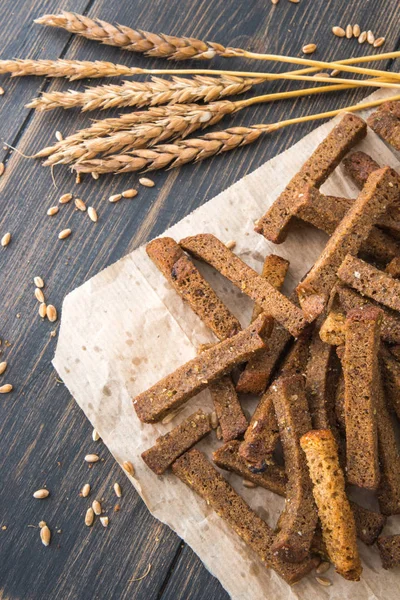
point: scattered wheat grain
(92, 214)
(370, 38)
(59, 136)
(51, 313)
(95, 175)
(40, 494)
(89, 517)
(6, 388)
(115, 198)
(6, 239)
(146, 182)
(356, 30)
(96, 507)
(95, 436)
(38, 281)
(64, 234)
(92, 458)
(379, 42)
(128, 194)
(85, 490)
(309, 48)
(349, 32)
(65, 198)
(45, 535)
(117, 490)
(362, 37)
(3, 367)
(129, 468)
(338, 31)
(39, 295)
(43, 310)
(2, 169)
(53, 210)
(80, 205)
(231, 244)
(78, 178)
(104, 521)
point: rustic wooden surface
(43, 434)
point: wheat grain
(370, 38)
(129, 468)
(115, 198)
(3, 367)
(151, 44)
(51, 313)
(65, 198)
(2, 168)
(6, 239)
(92, 214)
(128, 194)
(43, 310)
(309, 48)
(96, 507)
(40, 494)
(53, 210)
(362, 37)
(45, 535)
(6, 388)
(89, 517)
(146, 182)
(356, 30)
(38, 281)
(85, 490)
(338, 31)
(104, 521)
(80, 205)
(349, 32)
(379, 42)
(177, 90)
(64, 234)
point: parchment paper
(126, 328)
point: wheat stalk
(145, 134)
(179, 48)
(158, 91)
(197, 149)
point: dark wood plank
(189, 579)
(20, 39)
(40, 423)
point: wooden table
(44, 435)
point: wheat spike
(197, 149)
(173, 155)
(151, 44)
(71, 69)
(145, 134)
(181, 48)
(177, 90)
(106, 127)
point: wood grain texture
(40, 424)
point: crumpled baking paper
(126, 328)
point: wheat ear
(197, 149)
(71, 69)
(151, 44)
(171, 121)
(178, 48)
(145, 135)
(106, 127)
(177, 90)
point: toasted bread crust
(370, 281)
(187, 280)
(255, 377)
(334, 511)
(359, 166)
(170, 446)
(316, 170)
(381, 189)
(198, 473)
(361, 374)
(272, 478)
(385, 122)
(189, 379)
(297, 522)
(210, 249)
(389, 550)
